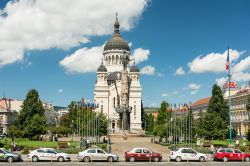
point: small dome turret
(102, 68)
(134, 69)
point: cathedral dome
(116, 42)
(134, 69)
(102, 68)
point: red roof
(201, 101)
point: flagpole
(229, 99)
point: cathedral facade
(108, 83)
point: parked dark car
(8, 156)
(142, 154)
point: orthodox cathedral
(107, 90)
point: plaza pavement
(119, 146)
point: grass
(34, 144)
(227, 142)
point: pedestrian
(212, 148)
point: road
(211, 163)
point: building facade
(199, 107)
(108, 83)
(240, 115)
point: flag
(227, 64)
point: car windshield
(57, 151)
(52, 151)
(6, 151)
(147, 151)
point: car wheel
(156, 159)
(60, 159)
(131, 159)
(202, 159)
(247, 159)
(86, 159)
(10, 159)
(178, 159)
(225, 159)
(110, 159)
(35, 159)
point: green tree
(103, 124)
(160, 127)
(218, 104)
(36, 126)
(214, 123)
(32, 120)
(143, 117)
(162, 113)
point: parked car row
(136, 154)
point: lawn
(227, 142)
(34, 144)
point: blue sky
(193, 35)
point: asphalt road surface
(127, 163)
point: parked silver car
(94, 154)
(187, 154)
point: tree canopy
(214, 123)
(31, 121)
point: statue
(123, 109)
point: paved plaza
(120, 146)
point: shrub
(25, 151)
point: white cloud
(194, 88)
(83, 60)
(148, 70)
(213, 62)
(140, 55)
(221, 81)
(44, 24)
(236, 77)
(193, 92)
(60, 90)
(164, 95)
(241, 77)
(180, 71)
(242, 65)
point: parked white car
(94, 154)
(48, 154)
(187, 154)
